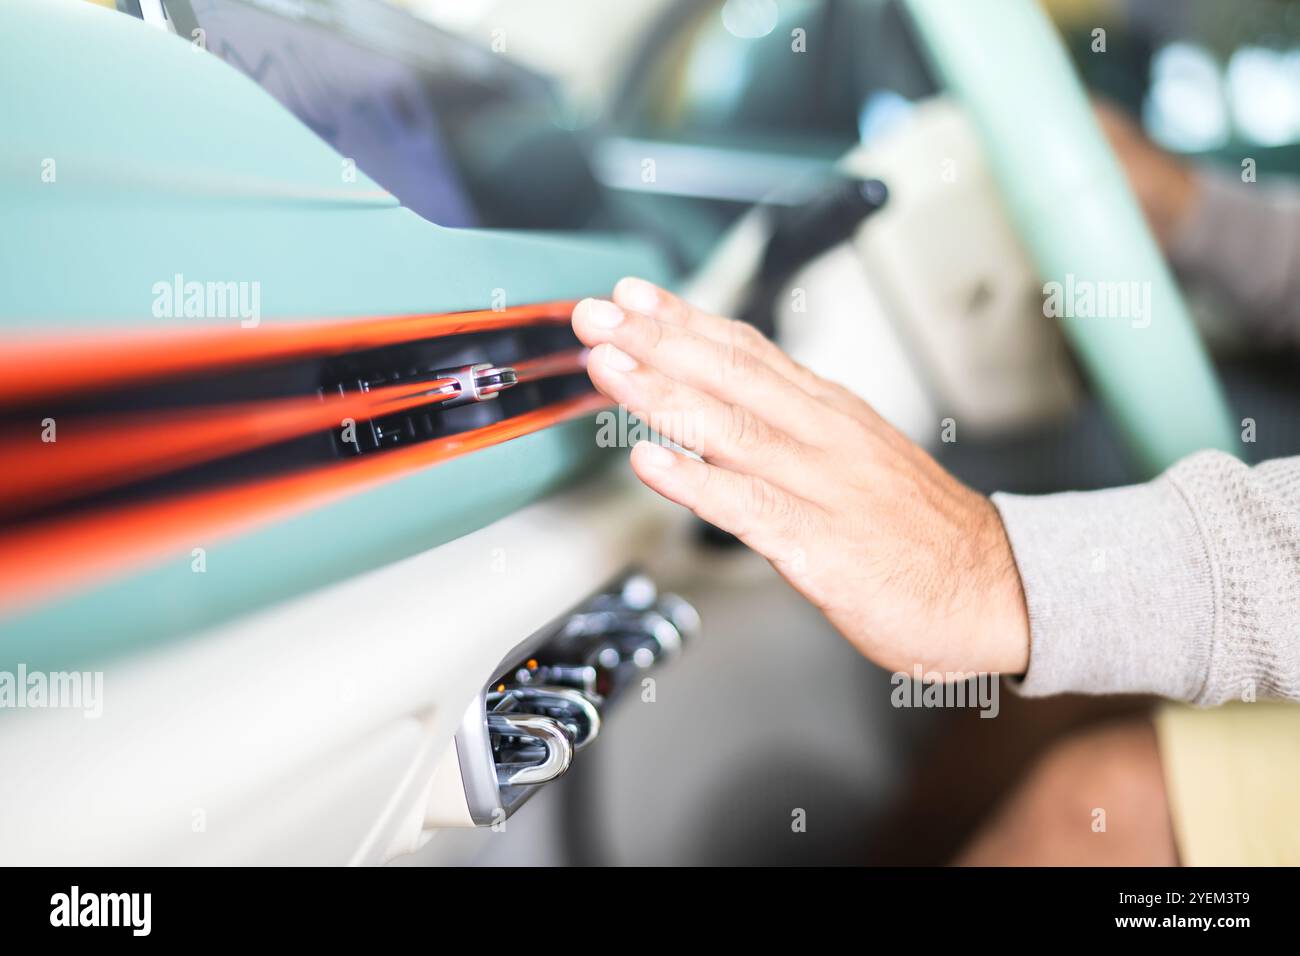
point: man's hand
(909, 564)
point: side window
(799, 74)
(741, 70)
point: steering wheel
(1069, 200)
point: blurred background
(691, 125)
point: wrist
(1004, 644)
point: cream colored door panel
(279, 723)
(955, 278)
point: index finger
(638, 295)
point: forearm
(1187, 587)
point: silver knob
(570, 707)
(477, 383)
(554, 739)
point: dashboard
(288, 644)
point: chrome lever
(570, 707)
(553, 736)
(580, 677)
(478, 383)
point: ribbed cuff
(1119, 587)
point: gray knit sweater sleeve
(1187, 587)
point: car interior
(416, 563)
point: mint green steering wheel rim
(1067, 195)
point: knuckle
(689, 316)
(659, 391)
(744, 335)
(691, 425)
(648, 330)
(738, 364)
(746, 432)
(712, 499)
(852, 432)
(674, 309)
(704, 489)
(677, 412)
(767, 507)
(679, 344)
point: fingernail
(637, 295)
(602, 314)
(655, 456)
(616, 359)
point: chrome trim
(636, 618)
(550, 733)
(477, 766)
(580, 713)
(481, 382)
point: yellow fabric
(1233, 776)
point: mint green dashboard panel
(165, 160)
(128, 157)
(317, 547)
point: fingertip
(637, 295)
(611, 357)
(578, 317)
(607, 382)
(594, 318)
(659, 470)
(652, 456)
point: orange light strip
(51, 557)
(37, 367)
(99, 452)
(104, 451)
(568, 362)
